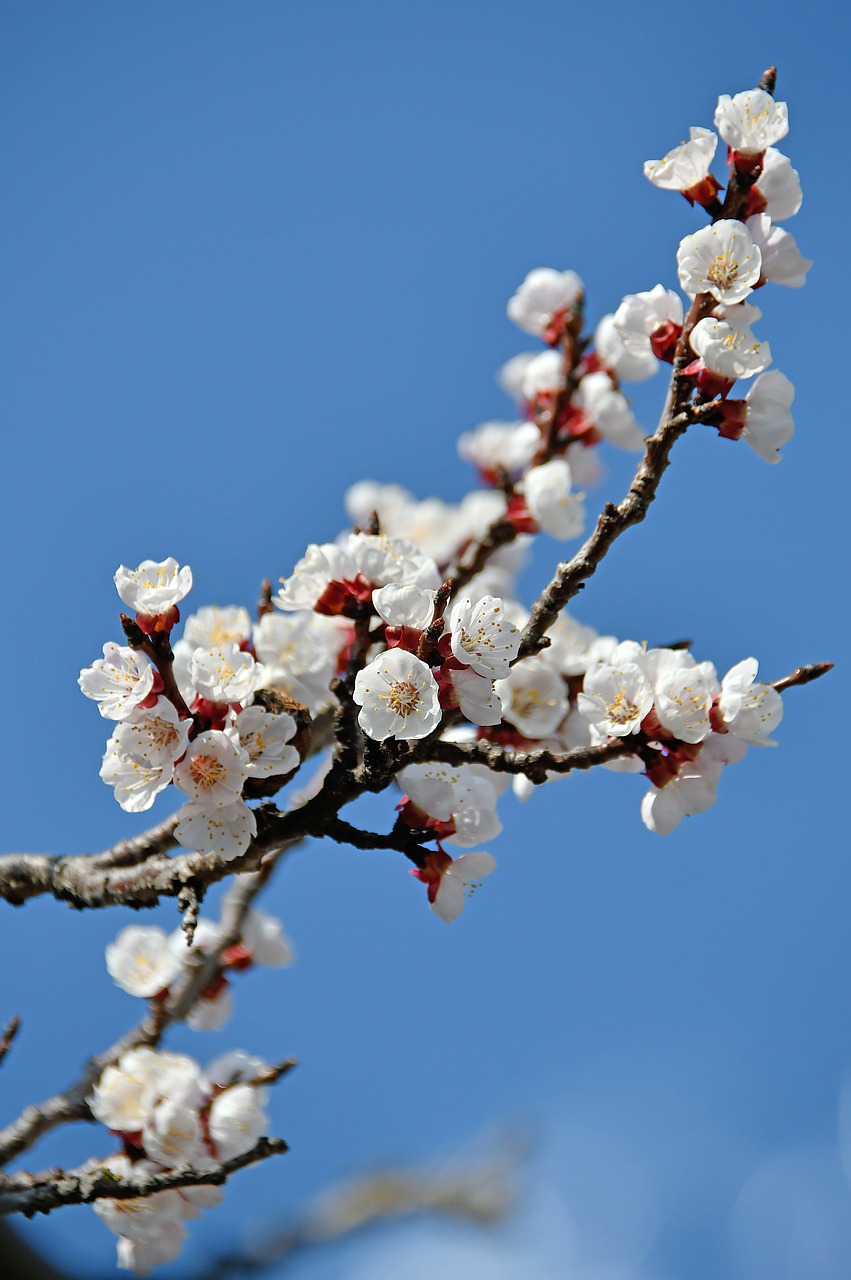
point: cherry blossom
(720, 259)
(140, 960)
(139, 759)
(154, 587)
(649, 323)
(224, 674)
(214, 769)
(118, 681)
(543, 300)
(265, 737)
(226, 829)
(476, 696)
(768, 424)
(398, 697)
(461, 799)
(751, 121)
(500, 446)
(548, 490)
(483, 636)
(727, 345)
(615, 698)
(605, 408)
(778, 188)
(628, 362)
(750, 710)
(237, 1120)
(782, 260)
(543, 375)
(534, 698)
(450, 881)
(686, 166)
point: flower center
(723, 270)
(403, 697)
(206, 771)
(621, 710)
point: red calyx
(435, 864)
(663, 341)
(704, 193)
(344, 597)
(747, 163)
(237, 957)
(403, 638)
(711, 384)
(519, 515)
(149, 623)
(755, 202)
(733, 414)
(554, 330)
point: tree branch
(29, 1194)
(571, 575)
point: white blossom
(642, 314)
(312, 575)
(720, 259)
(483, 636)
(750, 710)
(534, 698)
(405, 605)
(381, 559)
(450, 882)
(512, 374)
(728, 347)
(118, 681)
(477, 696)
(495, 446)
(225, 674)
(140, 961)
(683, 698)
(264, 936)
(615, 698)
(139, 1218)
(173, 1136)
(623, 360)
(686, 165)
(153, 587)
(237, 1120)
(226, 829)
(297, 652)
(215, 625)
(751, 121)
(139, 759)
(543, 294)
(265, 737)
(214, 769)
(141, 1256)
(548, 490)
(605, 408)
(768, 422)
(465, 795)
(780, 186)
(397, 694)
(543, 375)
(782, 260)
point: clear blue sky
(253, 252)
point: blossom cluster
(409, 627)
(145, 961)
(726, 262)
(416, 610)
(170, 1114)
(194, 715)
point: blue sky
(256, 252)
